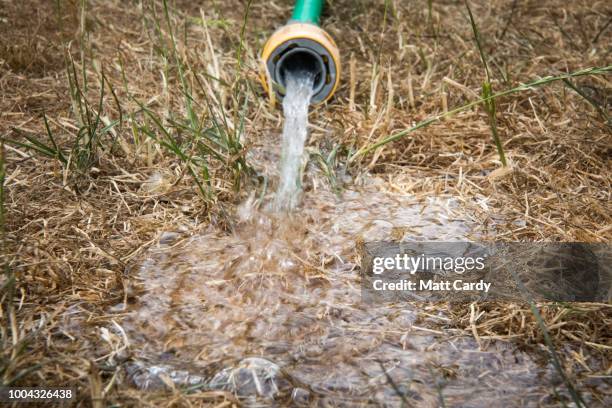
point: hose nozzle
(301, 47)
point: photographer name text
(431, 285)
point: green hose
(307, 11)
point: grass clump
(194, 139)
(82, 152)
(206, 137)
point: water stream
(299, 90)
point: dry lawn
(75, 231)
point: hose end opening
(302, 47)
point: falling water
(299, 90)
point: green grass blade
(179, 65)
(590, 100)
(478, 41)
(114, 95)
(487, 90)
(242, 32)
(60, 155)
(491, 109)
(170, 143)
(45, 151)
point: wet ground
(273, 312)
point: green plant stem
(590, 100)
(491, 108)
(487, 90)
(179, 65)
(478, 42)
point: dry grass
(75, 234)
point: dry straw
(120, 122)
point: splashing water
(272, 313)
(299, 90)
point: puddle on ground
(273, 312)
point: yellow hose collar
(285, 38)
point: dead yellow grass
(73, 240)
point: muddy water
(273, 313)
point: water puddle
(274, 312)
